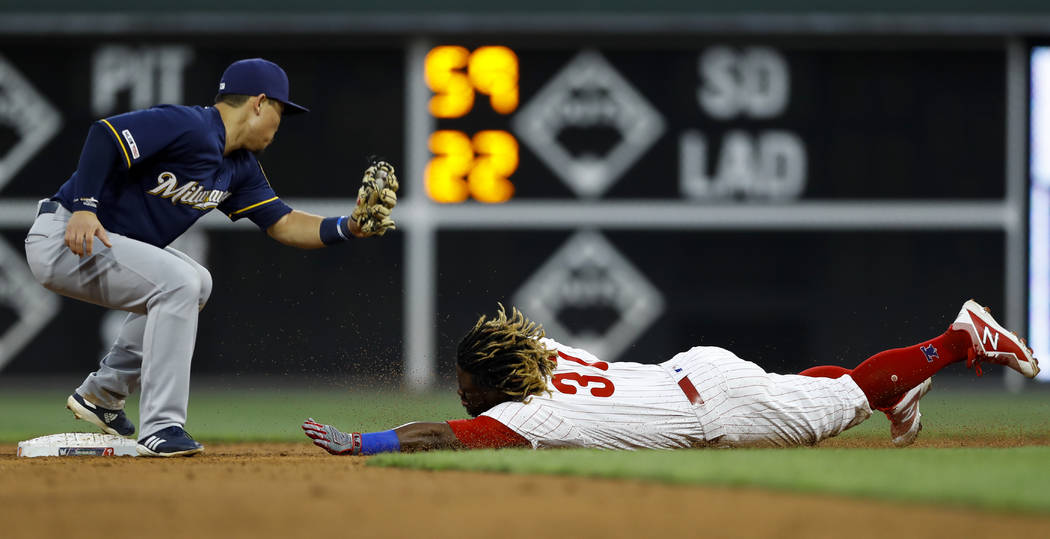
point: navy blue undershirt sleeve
(98, 159)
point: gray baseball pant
(161, 289)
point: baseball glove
(375, 199)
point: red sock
(826, 371)
(885, 376)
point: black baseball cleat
(169, 442)
(110, 421)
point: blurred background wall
(800, 182)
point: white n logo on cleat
(990, 336)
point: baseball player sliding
(144, 177)
(524, 390)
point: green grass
(957, 414)
(274, 414)
(1003, 479)
(1015, 479)
(235, 415)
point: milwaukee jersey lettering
(171, 172)
(192, 193)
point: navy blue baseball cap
(256, 76)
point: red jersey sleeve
(483, 432)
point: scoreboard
(842, 170)
(799, 200)
(716, 121)
(705, 121)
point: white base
(78, 444)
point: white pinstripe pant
(744, 406)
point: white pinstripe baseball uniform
(704, 396)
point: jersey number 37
(568, 382)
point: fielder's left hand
(375, 199)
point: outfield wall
(801, 190)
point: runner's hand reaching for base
(332, 439)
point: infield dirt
(295, 490)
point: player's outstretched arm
(376, 198)
(406, 438)
(308, 231)
(420, 436)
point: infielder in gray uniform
(144, 177)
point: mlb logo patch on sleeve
(131, 143)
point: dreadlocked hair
(505, 353)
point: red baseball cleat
(993, 342)
(904, 416)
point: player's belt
(48, 206)
(690, 390)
